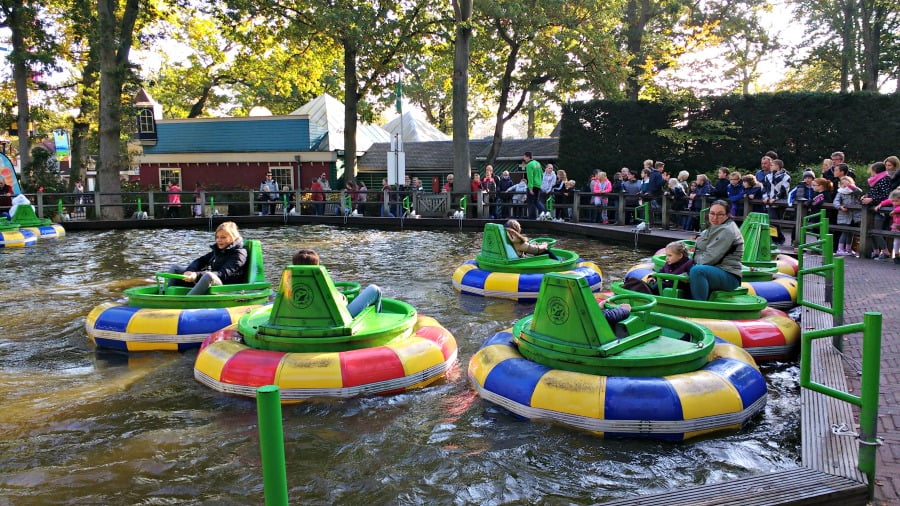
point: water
(81, 426)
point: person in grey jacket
(717, 256)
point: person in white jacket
(776, 186)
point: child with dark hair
(369, 296)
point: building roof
(423, 156)
(542, 150)
(328, 113)
(414, 129)
(235, 135)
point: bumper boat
(161, 317)
(11, 236)
(308, 344)
(24, 218)
(498, 271)
(771, 279)
(650, 375)
(737, 316)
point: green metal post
(59, 209)
(462, 204)
(271, 444)
(868, 411)
(549, 204)
(139, 205)
(837, 299)
(212, 206)
(348, 204)
(406, 204)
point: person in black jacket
(224, 265)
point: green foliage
(42, 173)
(733, 131)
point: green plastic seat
(495, 245)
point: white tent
(328, 113)
(415, 129)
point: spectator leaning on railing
(879, 189)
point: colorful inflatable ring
(128, 328)
(227, 365)
(774, 336)
(468, 278)
(52, 231)
(724, 394)
(17, 238)
(780, 292)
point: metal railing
(867, 401)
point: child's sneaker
(840, 253)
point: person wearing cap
(803, 191)
(268, 191)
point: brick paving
(871, 285)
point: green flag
(399, 97)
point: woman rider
(717, 256)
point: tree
(555, 46)
(372, 36)
(116, 35)
(462, 15)
(32, 50)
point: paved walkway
(875, 286)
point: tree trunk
(636, 17)
(81, 124)
(503, 100)
(463, 13)
(351, 107)
(848, 42)
(115, 45)
(872, 17)
(20, 77)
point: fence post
(97, 204)
(40, 203)
(868, 412)
(576, 206)
(271, 444)
(837, 299)
(865, 213)
(621, 219)
(150, 205)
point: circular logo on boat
(557, 310)
(303, 296)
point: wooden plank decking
(828, 475)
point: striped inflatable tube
(774, 336)
(52, 231)
(17, 238)
(128, 328)
(780, 292)
(468, 278)
(724, 394)
(225, 364)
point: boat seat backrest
(24, 214)
(255, 270)
(569, 311)
(308, 298)
(495, 245)
(757, 238)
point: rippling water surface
(84, 426)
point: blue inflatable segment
(749, 382)
(203, 321)
(515, 379)
(639, 398)
(116, 318)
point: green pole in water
(212, 206)
(59, 209)
(348, 203)
(271, 444)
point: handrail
(867, 401)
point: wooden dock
(828, 473)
